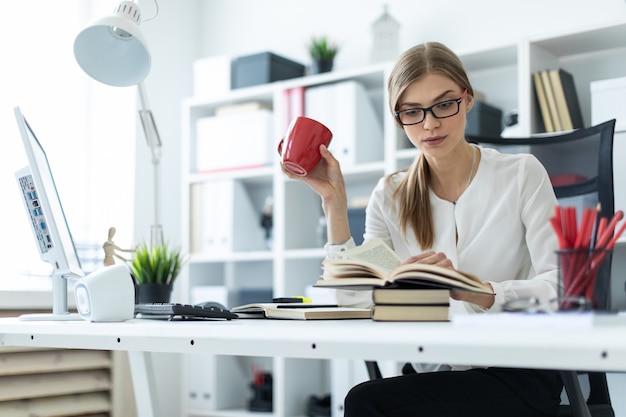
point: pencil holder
(578, 270)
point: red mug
(299, 149)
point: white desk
(601, 348)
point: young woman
(461, 206)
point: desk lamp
(113, 50)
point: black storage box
(263, 68)
(484, 120)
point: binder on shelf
(566, 99)
(229, 222)
(294, 104)
(347, 110)
(235, 140)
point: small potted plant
(323, 52)
(155, 269)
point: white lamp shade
(113, 50)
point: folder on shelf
(294, 104)
(346, 108)
(235, 140)
(228, 221)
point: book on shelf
(300, 311)
(375, 264)
(432, 312)
(557, 99)
(549, 90)
(542, 101)
(566, 98)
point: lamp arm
(154, 142)
(149, 125)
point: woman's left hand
(440, 259)
(483, 300)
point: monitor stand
(60, 311)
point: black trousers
(491, 392)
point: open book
(300, 311)
(375, 264)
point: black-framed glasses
(538, 305)
(440, 110)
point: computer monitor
(49, 225)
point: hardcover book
(549, 90)
(410, 312)
(542, 101)
(410, 296)
(375, 264)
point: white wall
(239, 27)
(185, 31)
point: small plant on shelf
(322, 49)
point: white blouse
(502, 224)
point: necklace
(471, 173)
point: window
(88, 130)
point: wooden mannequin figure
(110, 249)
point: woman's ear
(469, 103)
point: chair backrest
(580, 166)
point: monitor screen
(46, 215)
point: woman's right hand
(325, 179)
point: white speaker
(107, 294)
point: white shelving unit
(503, 74)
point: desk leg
(141, 368)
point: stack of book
(557, 99)
(410, 304)
(401, 292)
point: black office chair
(580, 165)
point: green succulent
(321, 48)
(156, 265)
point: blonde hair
(412, 192)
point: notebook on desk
(300, 311)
